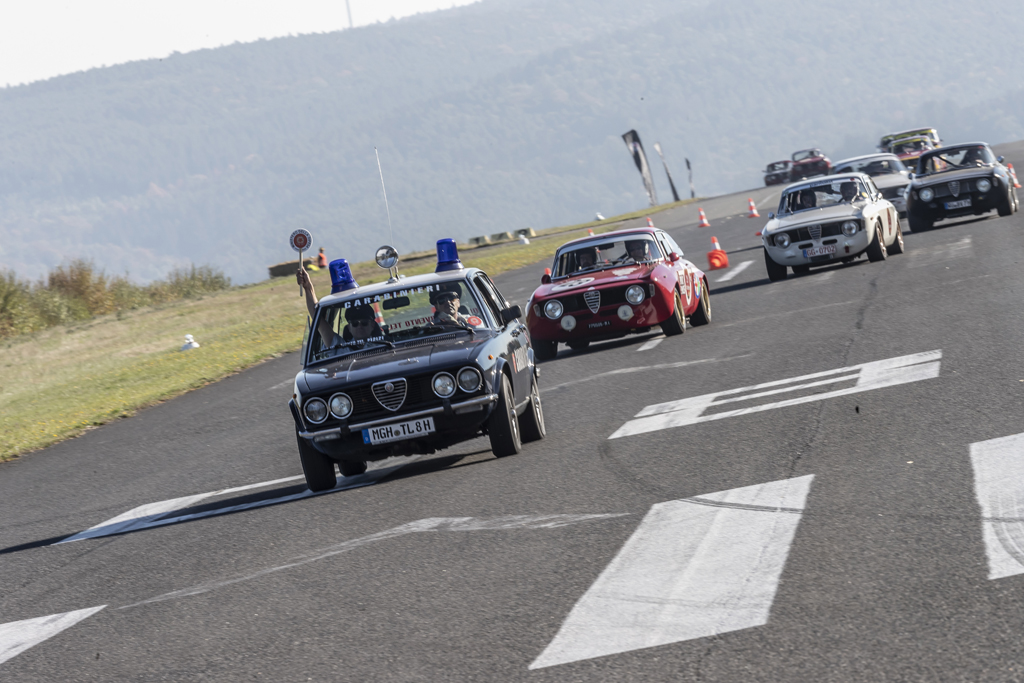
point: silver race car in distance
(830, 219)
(891, 176)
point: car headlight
(635, 294)
(469, 379)
(782, 240)
(553, 309)
(850, 228)
(341, 406)
(927, 194)
(984, 185)
(316, 410)
(443, 384)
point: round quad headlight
(341, 406)
(927, 194)
(625, 312)
(635, 294)
(553, 309)
(850, 228)
(469, 379)
(316, 410)
(569, 323)
(984, 185)
(443, 384)
(782, 240)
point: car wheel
(532, 422)
(577, 345)
(776, 272)
(897, 246)
(316, 467)
(676, 323)
(877, 250)
(702, 316)
(801, 270)
(351, 468)
(919, 224)
(545, 350)
(1005, 207)
(503, 425)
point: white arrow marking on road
(736, 270)
(18, 636)
(693, 568)
(999, 485)
(868, 376)
(651, 343)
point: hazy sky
(44, 38)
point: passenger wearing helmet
(447, 302)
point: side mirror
(673, 257)
(771, 215)
(545, 279)
(511, 313)
(1000, 159)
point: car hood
(961, 174)
(402, 361)
(827, 214)
(598, 278)
(884, 182)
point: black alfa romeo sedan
(411, 366)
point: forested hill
(488, 117)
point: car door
(684, 272)
(514, 336)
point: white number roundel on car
(572, 284)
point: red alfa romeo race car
(615, 284)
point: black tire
(675, 323)
(317, 467)
(351, 468)
(577, 345)
(775, 271)
(919, 224)
(876, 250)
(1006, 207)
(897, 246)
(702, 316)
(801, 270)
(544, 350)
(532, 422)
(503, 425)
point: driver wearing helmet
(638, 250)
(586, 258)
(849, 190)
(807, 200)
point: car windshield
(949, 159)
(806, 154)
(911, 146)
(778, 166)
(400, 315)
(821, 194)
(873, 166)
(599, 254)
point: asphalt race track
(839, 500)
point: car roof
(828, 179)
(912, 137)
(646, 230)
(862, 157)
(402, 283)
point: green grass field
(59, 382)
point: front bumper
(605, 324)
(936, 210)
(846, 247)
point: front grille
(593, 299)
(815, 231)
(607, 297)
(942, 190)
(393, 399)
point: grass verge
(56, 383)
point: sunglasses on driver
(365, 322)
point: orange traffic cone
(1013, 174)
(590, 232)
(717, 258)
(547, 271)
(650, 223)
(703, 220)
(752, 213)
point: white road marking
(642, 368)
(999, 486)
(694, 568)
(282, 385)
(926, 256)
(18, 636)
(422, 525)
(651, 343)
(736, 270)
(868, 376)
(156, 514)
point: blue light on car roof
(341, 276)
(447, 256)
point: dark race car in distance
(809, 163)
(777, 173)
(961, 180)
(411, 366)
(615, 284)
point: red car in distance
(611, 285)
(808, 163)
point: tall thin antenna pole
(349, 8)
(385, 191)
